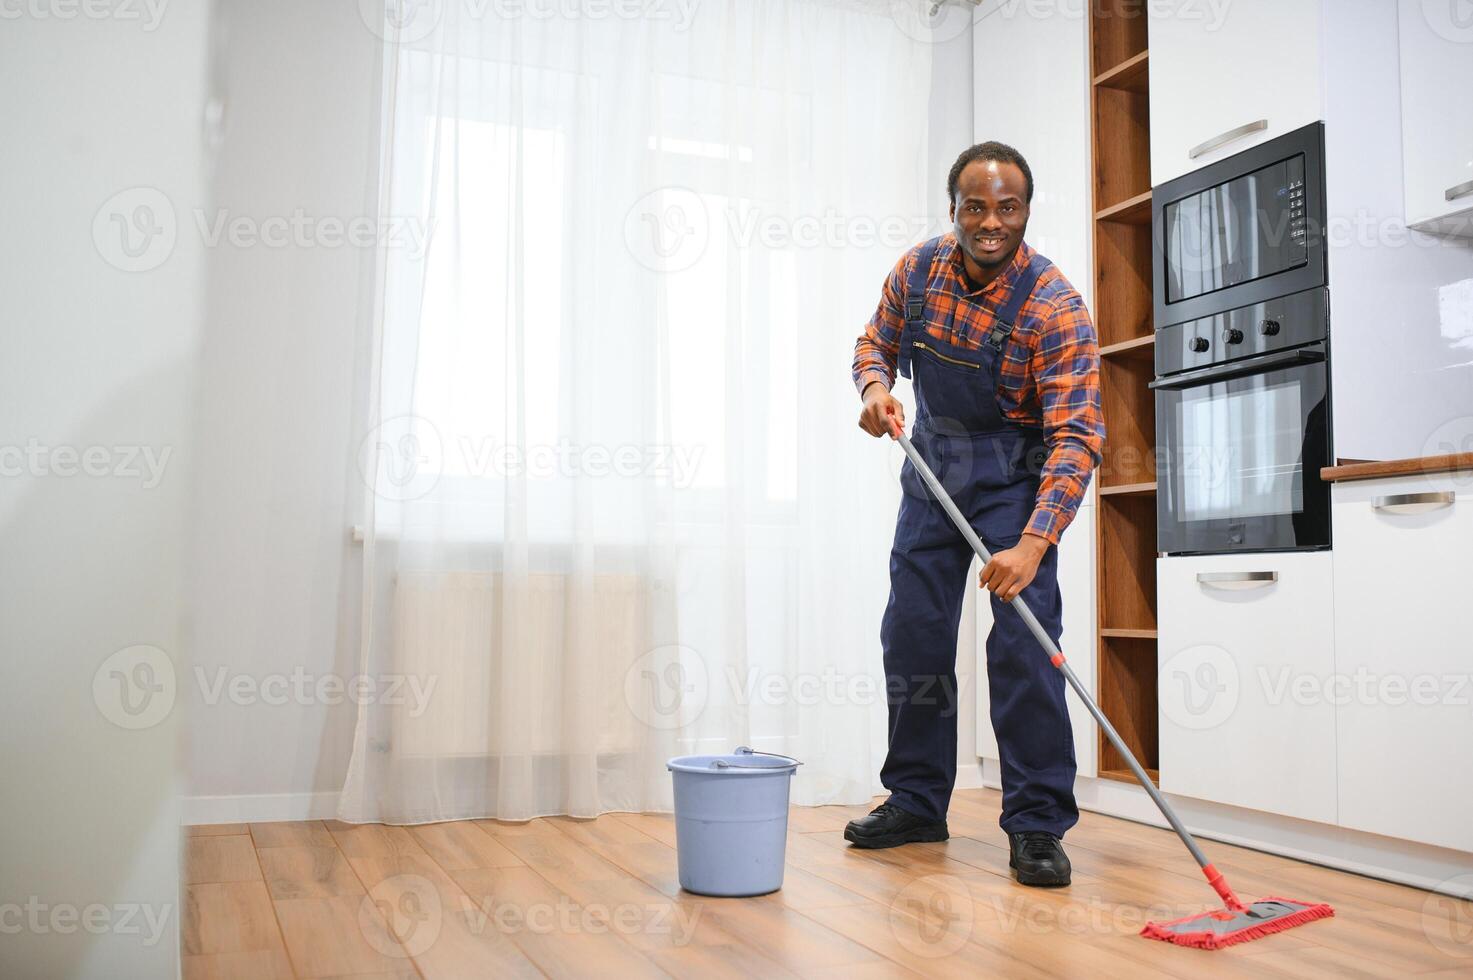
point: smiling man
(1004, 363)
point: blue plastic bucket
(731, 821)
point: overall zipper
(936, 353)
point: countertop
(1371, 470)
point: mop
(1235, 922)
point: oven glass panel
(1247, 228)
(1240, 452)
(1240, 462)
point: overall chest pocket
(956, 389)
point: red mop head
(1237, 923)
(1224, 927)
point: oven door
(1240, 456)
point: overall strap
(1007, 317)
(915, 303)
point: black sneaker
(889, 826)
(1037, 858)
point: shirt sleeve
(1066, 370)
(878, 346)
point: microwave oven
(1241, 231)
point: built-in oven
(1242, 317)
(1242, 429)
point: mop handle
(1056, 657)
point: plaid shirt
(1049, 376)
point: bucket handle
(746, 750)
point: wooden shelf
(1131, 211)
(1130, 421)
(1122, 145)
(1127, 561)
(1117, 33)
(1126, 776)
(1131, 74)
(1125, 525)
(1127, 696)
(1128, 488)
(1123, 307)
(1143, 348)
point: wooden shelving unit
(1125, 486)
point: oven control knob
(1268, 328)
(1232, 335)
(1198, 344)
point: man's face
(990, 212)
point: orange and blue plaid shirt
(1049, 376)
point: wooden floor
(600, 898)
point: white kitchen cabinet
(1437, 116)
(1240, 637)
(1077, 586)
(1404, 656)
(1229, 76)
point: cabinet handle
(1458, 190)
(1237, 581)
(1414, 503)
(1256, 126)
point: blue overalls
(991, 467)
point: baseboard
(968, 776)
(259, 808)
(1405, 862)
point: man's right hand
(882, 413)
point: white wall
(275, 569)
(1400, 389)
(1050, 126)
(950, 134)
(1051, 129)
(101, 360)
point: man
(1005, 368)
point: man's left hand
(1012, 569)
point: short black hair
(996, 152)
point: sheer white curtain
(620, 509)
